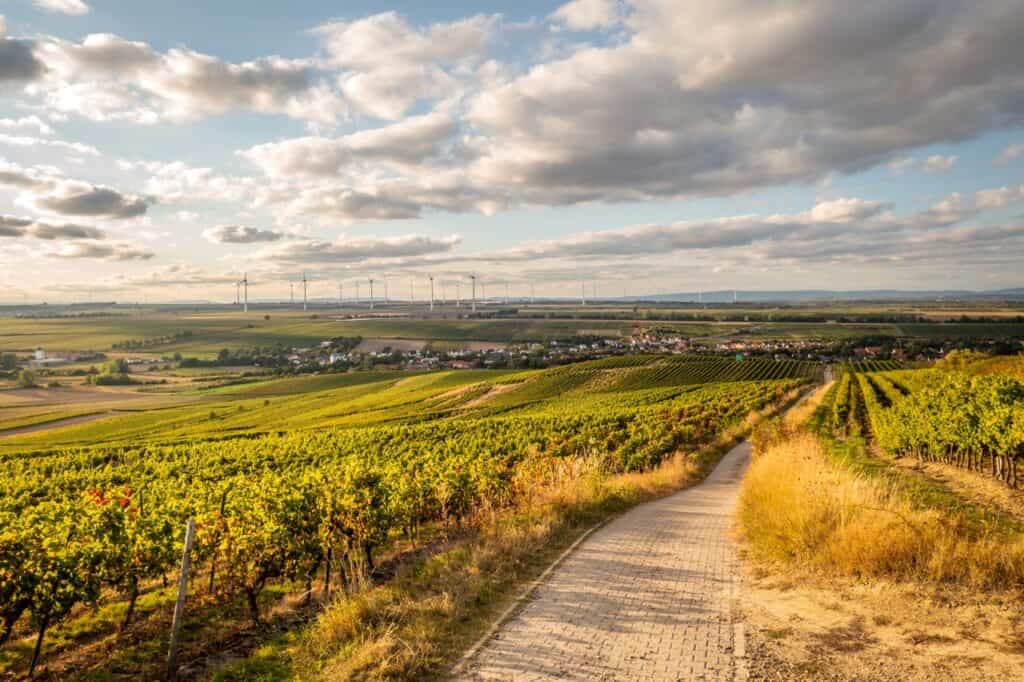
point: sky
(161, 151)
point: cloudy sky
(159, 150)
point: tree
(116, 366)
(26, 379)
(8, 361)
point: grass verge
(828, 506)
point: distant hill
(823, 295)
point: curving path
(647, 597)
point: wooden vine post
(179, 606)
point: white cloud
(938, 163)
(411, 141)
(107, 251)
(1011, 153)
(386, 39)
(45, 189)
(240, 234)
(1000, 197)
(26, 124)
(584, 15)
(354, 250)
(76, 198)
(901, 164)
(175, 182)
(26, 141)
(62, 6)
(390, 65)
(13, 226)
(106, 77)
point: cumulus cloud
(901, 164)
(13, 226)
(835, 229)
(62, 6)
(1011, 153)
(937, 163)
(176, 182)
(584, 15)
(389, 65)
(387, 38)
(26, 124)
(411, 141)
(762, 94)
(45, 189)
(108, 251)
(240, 234)
(999, 197)
(178, 274)
(354, 250)
(71, 197)
(106, 77)
(27, 141)
(18, 62)
(345, 205)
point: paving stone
(647, 597)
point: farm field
(334, 475)
(204, 332)
(367, 398)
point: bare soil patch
(800, 627)
(377, 345)
(56, 424)
(495, 391)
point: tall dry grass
(799, 506)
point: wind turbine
(371, 293)
(305, 291)
(238, 285)
(458, 294)
(291, 290)
(473, 279)
(506, 293)
(341, 295)
(245, 285)
(734, 297)
(583, 292)
(412, 292)
(357, 292)
(431, 293)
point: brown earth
(805, 628)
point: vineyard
(969, 420)
(85, 527)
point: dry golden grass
(797, 505)
(800, 413)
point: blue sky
(162, 149)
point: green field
(382, 397)
(209, 331)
